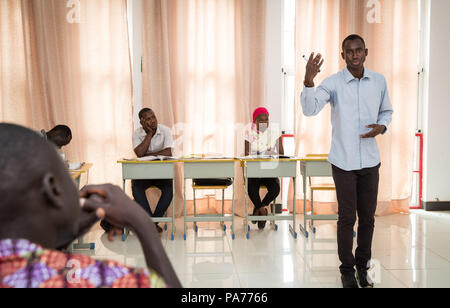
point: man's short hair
(60, 135)
(144, 111)
(62, 130)
(352, 38)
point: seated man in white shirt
(152, 139)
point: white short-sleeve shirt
(262, 142)
(161, 140)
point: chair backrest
(315, 156)
(212, 182)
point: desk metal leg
(246, 226)
(82, 245)
(232, 214)
(303, 228)
(222, 223)
(195, 210)
(292, 228)
(184, 192)
(311, 221)
(173, 210)
(126, 232)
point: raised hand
(312, 69)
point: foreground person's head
(39, 200)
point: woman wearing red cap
(263, 139)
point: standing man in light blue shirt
(360, 111)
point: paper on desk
(75, 166)
(151, 158)
(206, 156)
(266, 157)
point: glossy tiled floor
(408, 251)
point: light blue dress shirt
(354, 105)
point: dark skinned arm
(376, 130)
(121, 211)
(165, 152)
(280, 147)
(141, 150)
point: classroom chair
(154, 191)
(318, 187)
(211, 184)
(271, 211)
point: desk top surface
(84, 169)
(148, 162)
(181, 160)
(314, 159)
(226, 160)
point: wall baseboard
(436, 206)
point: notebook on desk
(206, 157)
(267, 157)
(151, 158)
(73, 167)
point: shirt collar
(158, 130)
(349, 77)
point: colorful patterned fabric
(27, 265)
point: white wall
(437, 103)
(135, 34)
(274, 59)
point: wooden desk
(269, 168)
(209, 169)
(151, 170)
(76, 176)
(314, 166)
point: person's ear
(343, 56)
(367, 52)
(52, 191)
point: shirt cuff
(385, 124)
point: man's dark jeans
(139, 188)
(357, 193)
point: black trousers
(139, 187)
(357, 193)
(273, 188)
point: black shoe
(364, 280)
(254, 214)
(158, 228)
(262, 223)
(349, 281)
(106, 226)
